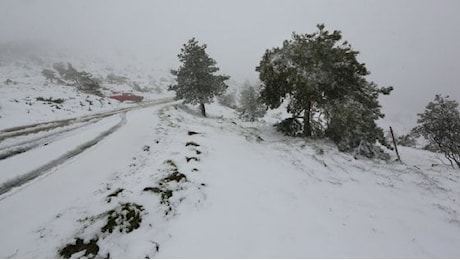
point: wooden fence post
(394, 143)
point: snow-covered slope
(26, 96)
(171, 183)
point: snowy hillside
(160, 181)
(26, 96)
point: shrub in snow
(407, 140)
(369, 150)
(196, 82)
(250, 106)
(51, 100)
(84, 81)
(440, 125)
(124, 218)
(290, 127)
(88, 250)
(325, 86)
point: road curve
(8, 185)
(39, 127)
(17, 131)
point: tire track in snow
(21, 147)
(44, 126)
(24, 146)
(23, 179)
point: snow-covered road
(62, 140)
(170, 183)
(23, 208)
(51, 155)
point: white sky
(412, 45)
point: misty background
(409, 44)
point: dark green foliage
(51, 100)
(196, 82)
(440, 125)
(165, 195)
(352, 120)
(174, 176)
(290, 127)
(124, 218)
(91, 248)
(325, 86)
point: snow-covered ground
(23, 89)
(169, 183)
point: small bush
(91, 249)
(51, 100)
(440, 125)
(369, 150)
(84, 81)
(174, 176)
(290, 127)
(124, 218)
(407, 140)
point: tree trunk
(203, 109)
(306, 120)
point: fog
(409, 44)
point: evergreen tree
(352, 119)
(440, 125)
(325, 86)
(250, 106)
(196, 82)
